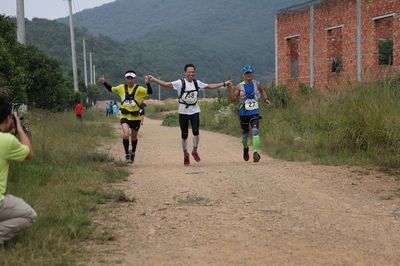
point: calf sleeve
(125, 142)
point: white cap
(130, 74)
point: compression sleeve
(149, 89)
(107, 86)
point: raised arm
(233, 94)
(160, 82)
(103, 81)
(149, 89)
(22, 135)
(213, 86)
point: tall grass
(63, 183)
(359, 124)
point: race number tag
(190, 97)
(129, 103)
(251, 104)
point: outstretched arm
(162, 83)
(233, 94)
(219, 85)
(149, 89)
(263, 94)
(103, 81)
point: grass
(64, 183)
(356, 125)
(159, 110)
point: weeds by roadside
(357, 125)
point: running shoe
(186, 159)
(132, 156)
(246, 155)
(196, 156)
(128, 158)
(256, 157)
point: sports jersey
(191, 109)
(130, 104)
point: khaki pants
(15, 216)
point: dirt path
(224, 211)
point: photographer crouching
(15, 214)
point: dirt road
(224, 211)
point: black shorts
(247, 121)
(133, 124)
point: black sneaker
(132, 155)
(128, 158)
(246, 155)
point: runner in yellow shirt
(132, 96)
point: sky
(49, 9)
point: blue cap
(247, 69)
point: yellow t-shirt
(10, 149)
(130, 105)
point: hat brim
(132, 75)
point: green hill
(219, 36)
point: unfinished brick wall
(335, 35)
(290, 26)
(373, 30)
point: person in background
(115, 109)
(78, 111)
(108, 109)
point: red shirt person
(78, 110)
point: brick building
(325, 42)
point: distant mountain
(219, 36)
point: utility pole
(94, 74)
(84, 61)
(20, 22)
(91, 67)
(71, 29)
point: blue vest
(249, 95)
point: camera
(23, 125)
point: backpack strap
(183, 88)
(196, 85)
(133, 93)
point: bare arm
(213, 86)
(233, 94)
(22, 136)
(103, 81)
(160, 82)
(263, 94)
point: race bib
(190, 97)
(130, 103)
(251, 104)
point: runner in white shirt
(189, 110)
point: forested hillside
(160, 37)
(217, 35)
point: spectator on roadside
(108, 109)
(78, 111)
(115, 109)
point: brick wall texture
(335, 41)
